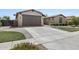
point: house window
(49, 18)
(52, 18)
(60, 20)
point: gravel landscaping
(25, 46)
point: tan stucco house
(29, 18)
(55, 20)
(36, 18)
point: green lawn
(69, 29)
(6, 36)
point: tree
(75, 20)
(6, 18)
(0, 23)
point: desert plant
(25, 46)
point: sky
(49, 12)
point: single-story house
(36, 18)
(29, 18)
(55, 20)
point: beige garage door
(30, 20)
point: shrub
(0, 23)
(25, 46)
(74, 21)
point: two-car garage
(31, 20)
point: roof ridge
(32, 10)
(56, 15)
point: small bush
(25, 46)
(74, 21)
(0, 23)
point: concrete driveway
(54, 39)
(50, 38)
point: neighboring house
(69, 19)
(55, 20)
(29, 18)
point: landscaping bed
(66, 28)
(25, 46)
(7, 36)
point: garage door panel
(30, 20)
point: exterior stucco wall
(32, 13)
(56, 20)
(19, 20)
(42, 20)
